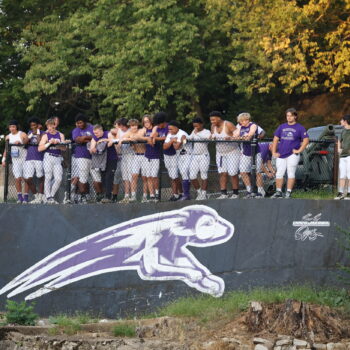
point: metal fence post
(335, 164)
(69, 173)
(160, 171)
(253, 145)
(7, 168)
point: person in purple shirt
(290, 139)
(152, 158)
(266, 156)
(34, 161)
(81, 160)
(159, 133)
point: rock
(319, 346)
(301, 343)
(284, 341)
(277, 348)
(103, 321)
(262, 347)
(256, 306)
(336, 346)
(267, 343)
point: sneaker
(99, 197)
(234, 196)
(132, 199)
(223, 196)
(288, 195)
(201, 196)
(19, 201)
(173, 198)
(106, 200)
(249, 195)
(115, 198)
(340, 196)
(144, 200)
(277, 194)
(347, 197)
(259, 195)
(125, 200)
(185, 198)
(153, 199)
(83, 199)
(51, 200)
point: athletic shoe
(278, 194)
(19, 201)
(288, 195)
(347, 197)
(223, 196)
(144, 200)
(51, 200)
(173, 198)
(132, 199)
(99, 197)
(38, 198)
(201, 196)
(259, 195)
(234, 196)
(115, 198)
(83, 199)
(25, 201)
(106, 200)
(184, 198)
(249, 195)
(125, 200)
(340, 196)
(153, 200)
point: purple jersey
(152, 152)
(80, 150)
(265, 151)
(163, 132)
(32, 151)
(111, 151)
(244, 131)
(53, 149)
(290, 137)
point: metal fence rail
(317, 167)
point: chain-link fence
(197, 170)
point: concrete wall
(263, 251)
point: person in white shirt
(18, 156)
(178, 139)
(200, 158)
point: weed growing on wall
(20, 313)
(124, 330)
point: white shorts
(151, 167)
(171, 164)
(81, 169)
(245, 163)
(32, 167)
(228, 162)
(184, 162)
(138, 164)
(126, 166)
(199, 163)
(118, 173)
(290, 164)
(18, 167)
(344, 168)
(52, 166)
(96, 175)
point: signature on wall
(154, 245)
(305, 231)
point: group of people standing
(130, 149)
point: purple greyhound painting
(154, 245)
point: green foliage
(124, 330)
(70, 325)
(324, 193)
(209, 308)
(20, 313)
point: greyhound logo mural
(154, 245)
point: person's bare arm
(44, 144)
(83, 139)
(5, 152)
(93, 146)
(167, 145)
(178, 144)
(274, 147)
(230, 128)
(24, 138)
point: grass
(325, 193)
(124, 330)
(69, 325)
(209, 308)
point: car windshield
(315, 133)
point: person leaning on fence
(138, 160)
(126, 152)
(266, 156)
(200, 158)
(290, 139)
(344, 161)
(18, 156)
(33, 165)
(81, 159)
(113, 175)
(247, 131)
(152, 159)
(227, 153)
(98, 150)
(178, 139)
(52, 160)
(159, 134)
